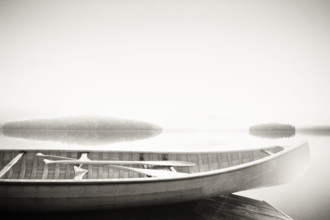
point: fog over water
(167, 62)
(199, 69)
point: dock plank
(245, 208)
(224, 207)
(250, 201)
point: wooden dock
(230, 207)
(237, 207)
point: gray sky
(176, 63)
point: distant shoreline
(315, 130)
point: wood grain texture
(114, 193)
(32, 167)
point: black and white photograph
(165, 109)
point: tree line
(80, 123)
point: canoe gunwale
(234, 168)
(157, 151)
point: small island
(80, 123)
(272, 130)
(82, 130)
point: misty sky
(175, 63)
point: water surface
(307, 197)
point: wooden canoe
(27, 182)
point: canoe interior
(30, 166)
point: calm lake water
(307, 197)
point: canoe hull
(90, 195)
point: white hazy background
(175, 63)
